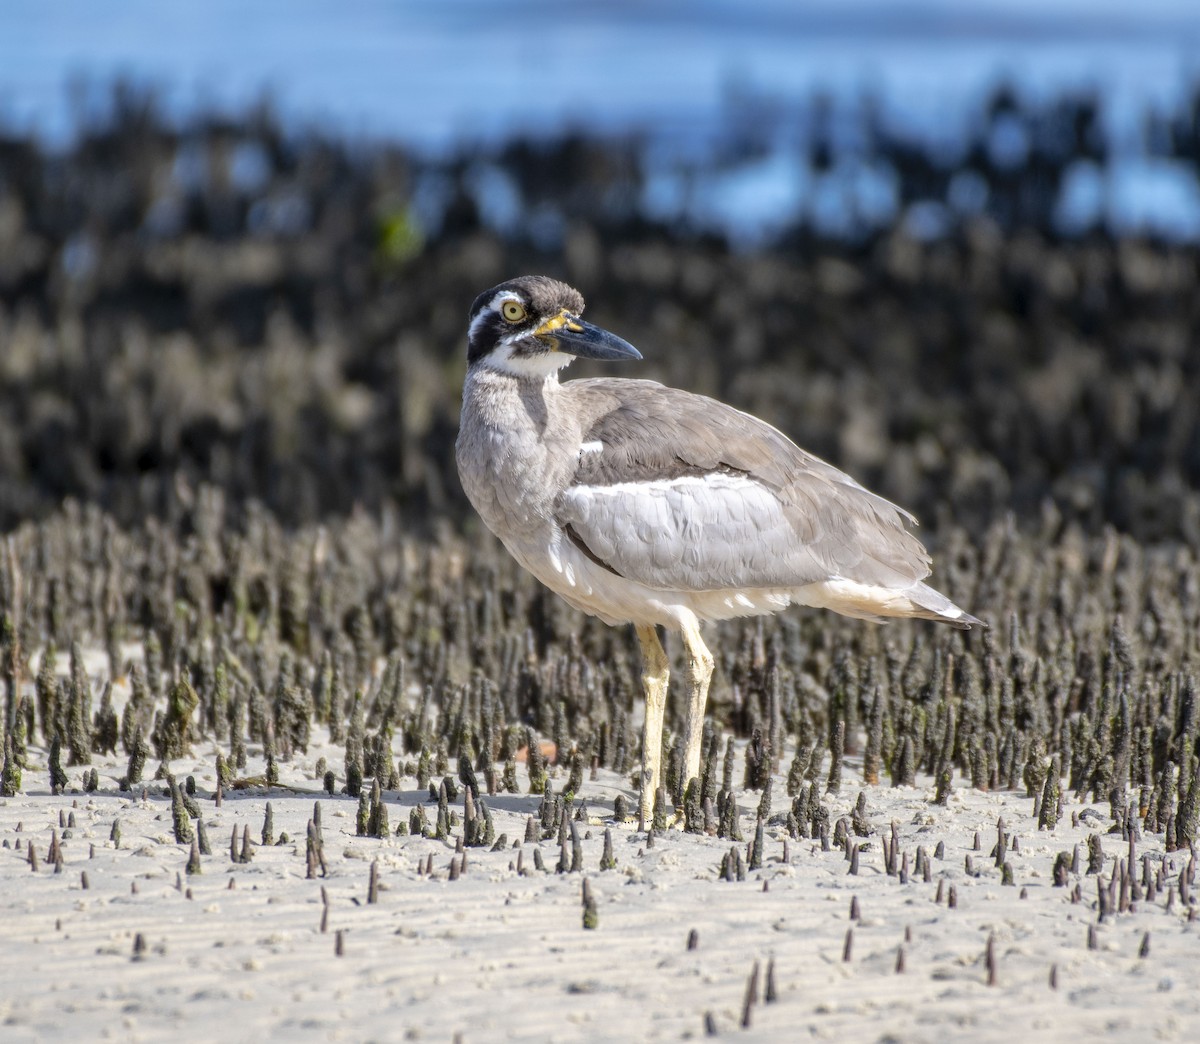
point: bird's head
(530, 327)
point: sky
(440, 73)
(437, 72)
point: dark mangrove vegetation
(230, 358)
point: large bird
(649, 505)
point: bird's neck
(501, 398)
(517, 448)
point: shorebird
(643, 504)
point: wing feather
(680, 491)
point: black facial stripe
(485, 336)
(527, 347)
(541, 298)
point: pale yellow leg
(656, 674)
(700, 669)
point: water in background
(437, 75)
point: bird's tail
(877, 602)
(933, 605)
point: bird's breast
(512, 463)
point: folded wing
(681, 492)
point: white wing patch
(708, 532)
(595, 446)
(714, 481)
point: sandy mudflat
(236, 953)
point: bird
(649, 505)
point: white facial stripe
(539, 366)
(476, 323)
(504, 295)
(493, 305)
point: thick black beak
(573, 336)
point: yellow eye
(512, 311)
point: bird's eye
(512, 311)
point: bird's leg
(700, 668)
(655, 675)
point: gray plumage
(646, 504)
(772, 516)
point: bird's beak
(571, 335)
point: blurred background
(952, 248)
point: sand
(238, 952)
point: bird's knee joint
(657, 678)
